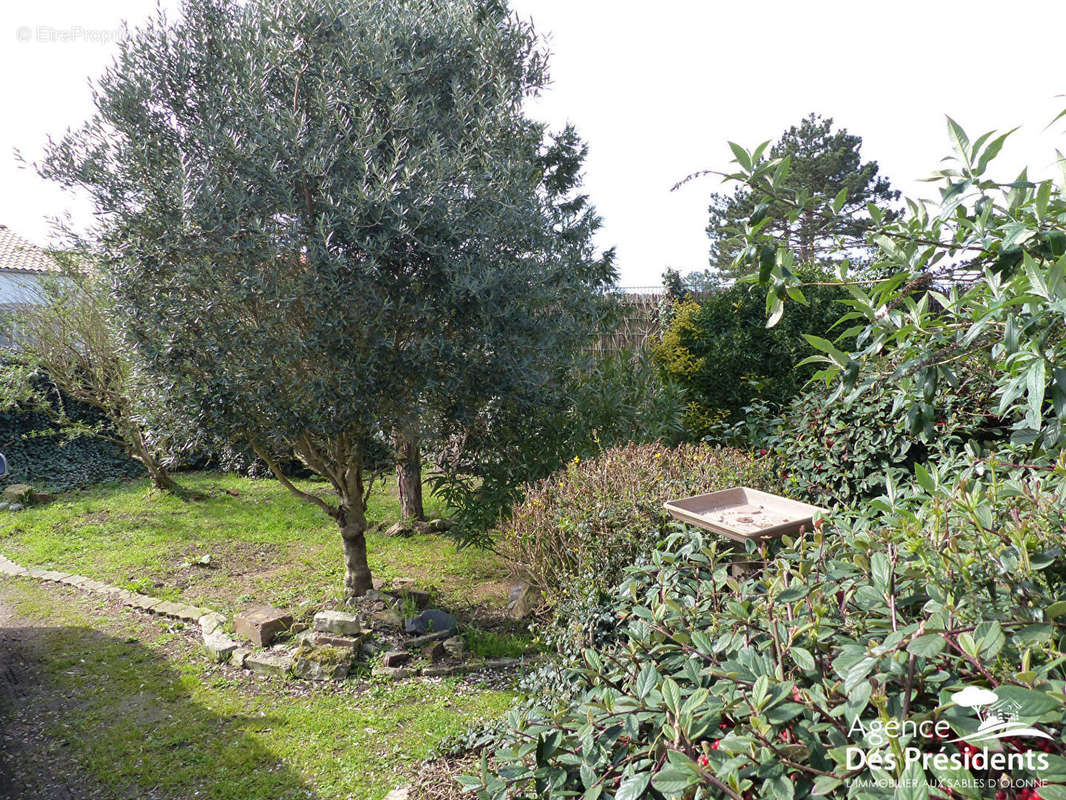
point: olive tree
(322, 219)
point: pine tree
(823, 161)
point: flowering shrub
(776, 677)
(835, 453)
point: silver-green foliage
(324, 217)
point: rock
(412, 526)
(211, 622)
(502, 663)
(387, 617)
(421, 641)
(442, 670)
(275, 664)
(348, 642)
(41, 498)
(400, 529)
(369, 649)
(434, 652)
(396, 658)
(18, 494)
(168, 609)
(337, 622)
(239, 656)
(4, 506)
(261, 625)
(399, 793)
(523, 601)
(432, 620)
(220, 647)
(455, 647)
(394, 673)
(15, 507)
(321, 662)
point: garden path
(33, 766)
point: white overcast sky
(656, 89)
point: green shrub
(609, 399)
(749, 687)
(576, 531)
(836, 453)
(721, 353)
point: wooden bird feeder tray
(741, 513)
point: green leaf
(824, 345)
(912, 784)
(741, 155)
(840, 199)
(671, 695)
(1032, 634)
(779, 787)
(959, 139)
(926, 646)
(1030, 702)
(632, 788)
(673, 780)
(803, 658)
(824, 784)
(925, 480)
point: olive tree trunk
(409, 475)
(357, 579)
(157, 473)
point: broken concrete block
(337, 622)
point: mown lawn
(265, 546)
(133, 703)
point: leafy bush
(980, 273)
(834, 452)
(740, 687)
(609, 399)
(721, 353)
(576, 531)
(622, 397)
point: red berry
(715, 744)
(703, 761)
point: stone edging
(220, 648)
(209, 621)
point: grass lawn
(265, 545)
(130, 700)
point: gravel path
(32, 766)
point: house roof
(21, 255)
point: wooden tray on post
(741, 513)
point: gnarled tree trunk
(157, 473)
(357, 579)
(409, 474)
